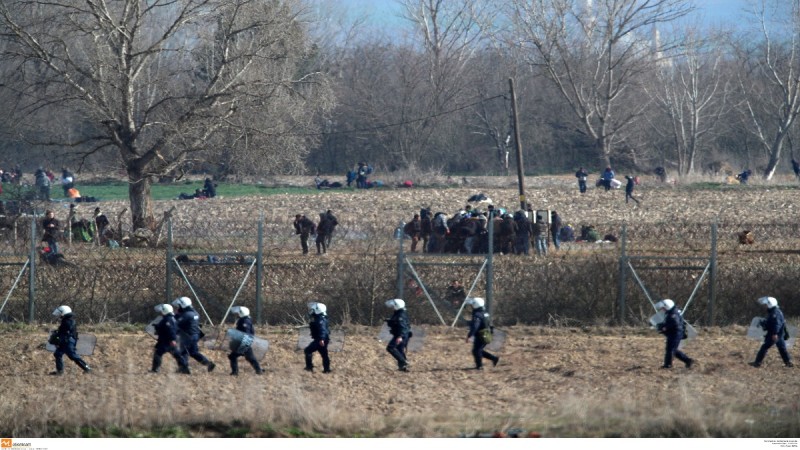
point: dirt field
(553, 382)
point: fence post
(260, 270)
(32, 272)
(401, 257)
(170, 256)
(490, 268)
(623, 270)
(712, 280)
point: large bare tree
(770, 76)
(596, 52)
(691, 90)
(161, 83)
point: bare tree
(160, 83)
(769, 76)
(691, 91)
(596, 53)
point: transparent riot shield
(151, 327)
(84, 346)
(234, 340)
(336, 340)
(498, 340)
(415, 343)
(755, 331)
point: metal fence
(257, 262)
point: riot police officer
(673, 329)
(775, 327)
(320, 337)
(188, 322)
(400, 329)
(166, 340)
(478, 331)
(245, 325)
(65, 339)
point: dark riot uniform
(672, 329)
(189, 335)
(400, 329)
(245, 325)
(479, 322)
(67, 335)
(166, 342)
(774, 325)
(320, 338)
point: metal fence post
(170, 257)
(401, 257)
(712, 280)
(260, 270)
(623, 270)
(490, 268)
(32, 273)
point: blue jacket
(774, 322)
(480, 320)
(188, 322)
(245, 325)
(67, 329)
(399, 324)
(166, 330)
(608, 175)
(672, 326)
(319, 327)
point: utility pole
(520, 171)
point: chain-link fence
(215, 261)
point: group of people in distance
(323, 231)
(608, 181)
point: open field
(555, 382)
(583, 379)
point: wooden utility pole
(520, 171)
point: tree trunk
(141, 201)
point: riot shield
(691, 332)
(656, 319)
(234, 340)
(336, 343)
(755, 331)
(84, 346)
(498, 340)
(415, 343)
(151, 327)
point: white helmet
(241, 311)
(164, 309)
(769, 302)
(476, 302)
(317, 308)
(666, 304)
(62, 310)
(182, 302)
(396, 303)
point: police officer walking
(245, 325)
(775, 327)
(188, 322)
(65, 339)
(673, 329)
(320, 337)
(400, 328)
(166, 340)
(478, 331)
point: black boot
(82, 364)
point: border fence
(257, 262)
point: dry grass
(558, 382)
